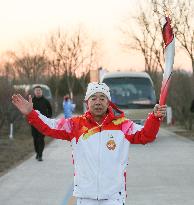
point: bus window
(131, 92)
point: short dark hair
(37, 86)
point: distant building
(96, 75)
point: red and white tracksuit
(100, 152)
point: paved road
(40, 183)
(160, 173)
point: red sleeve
(147, 133)
(59, 129)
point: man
(100, 140)
(41, 104)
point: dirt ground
(20, 148)
(186, 133)
(181, 131)
(15, 151)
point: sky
(24, 20)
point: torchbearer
(101, 138)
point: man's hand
(24, 106)
(160, 111)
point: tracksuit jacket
(100, 152)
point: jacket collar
(113, 112)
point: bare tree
(184, 26)
(183, 22)
(30, 68)
(66, 50)
(8, 113)
(28, 64)
(147, 37)
(179, 100)
(73, 55)
(7, 68)
(90, 62)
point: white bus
(132, 92)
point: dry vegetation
(15, 151)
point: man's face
(98, 104)
(38, 92)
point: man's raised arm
(60, 129)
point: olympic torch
(169, 51)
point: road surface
(160, 173)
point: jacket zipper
(99, 157)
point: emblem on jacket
(111, 144)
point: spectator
(68, 107)
(41, 104)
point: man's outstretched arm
(60, 129)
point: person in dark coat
(41, 104)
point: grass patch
(15, 151)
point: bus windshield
(131, 92)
